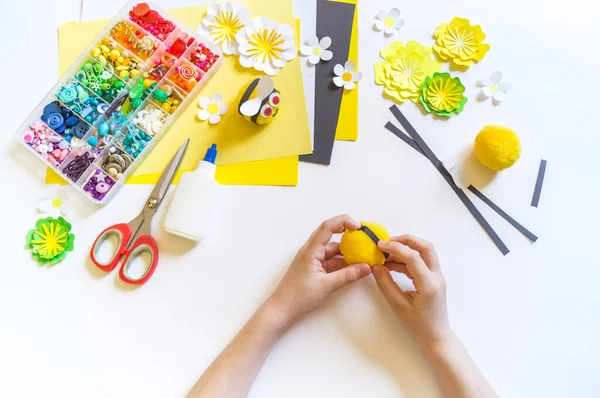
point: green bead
(160, 96)
(118, 84)
(136, 102)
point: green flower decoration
(50, 240)
(443, 94)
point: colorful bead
(185, 76)
(134, 40)
(151, 21)
(46, 143)
(98, 185)
(63, 121)
(150, 119)
(203, 57)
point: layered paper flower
(346, 76)
(388, 21)
(443, 94)
(494, 87)
(460, 43)
(266, 45)
(212, 109)
(316, 50)
(222, 23)
(50, 240)
(404, 69)
(56, 205)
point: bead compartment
(96, 143)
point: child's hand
(424, 311)
(317, 271)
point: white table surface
(530, 319)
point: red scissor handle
(144, 243)
(123, 233)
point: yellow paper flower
(222, 22)
(460, 43)
(404, 69)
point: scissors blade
(167, 177)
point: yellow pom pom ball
(497, 147)
(357, 247)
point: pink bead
(63, 154)
(52, 159)
(56, 153)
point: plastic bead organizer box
(110, 109)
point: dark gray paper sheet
(535, 201)
(334, 20)
(442, 170)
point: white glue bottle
(191, 209)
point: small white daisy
(388, 21)
(494, 87)
(317, 51)
(346, 76)
(212, 109)
(58, 204)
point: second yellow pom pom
(497, 147)
(357, 247)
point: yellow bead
(166, 107)
(114, 54)
(122, 67)
(148, 83)
(104, 49)
(173, 108)
(120, 60)
(123, 74)
(96, 52)
(106, 41)
(102, 60)
(175, 102)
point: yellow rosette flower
(460, 43)
(404, 69)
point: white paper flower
(212, 109)
(222, 23)
(388, 21)
(58, 204)
(317, 51)
(494, 87)
(266, 46)
(346, 76)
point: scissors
(134, 238)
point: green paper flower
(443, 94)
(50, 240)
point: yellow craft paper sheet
(276, 145)
(347, 128)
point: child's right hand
(424, 311)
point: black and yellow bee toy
(259, 101)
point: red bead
(141, 9)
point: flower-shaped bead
(403, 70)
(443, 94)
(316, 50)
(460, 43)
(266, 45)
(212, 108)
(388, 21)
(346, 76)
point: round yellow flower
(404, 69)
(460, 43)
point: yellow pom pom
(497, 147)
(357, 247)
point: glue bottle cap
(211, 154)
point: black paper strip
(535, 201)
(528, 234)
(373, 237)
(400, 134)
(334, 19)
(442, 170)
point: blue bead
(129, 137)
(88, 119)
(68, 138)
(104, 129)
(93, 141)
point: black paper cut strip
(400, 134)
(442, 170)
(535, 201)
(334, 19)
(528, 234)
(373, 237)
